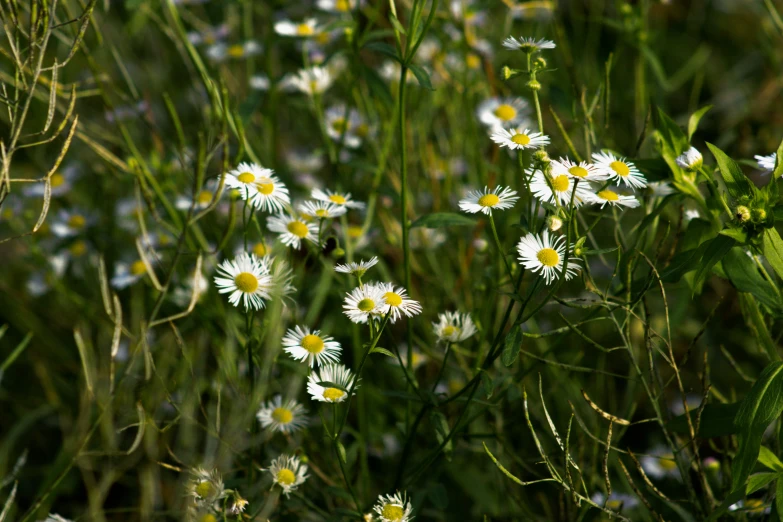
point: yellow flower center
(473, 61)
(282, 415)
(754, 505)
(286, 477)
(579, 172)
(138, 268)
(266, 188)
(78, 249)
(520, 139)
(236, 51)
(365, 305)
(337, 198)
(322, 213)
(313, 86)
(488, 200)
(450, 330)
(620, 168)
(560, 183)
(298, 228)
(505, 112)
(362, 130)
(608, 195)
(667, 462)
(333, 394)
(246, 177)
(204, 197)
(342, 5)
(354, 232)
(392, 299)
(614, 503)
(208, 517)
(56, 180)
(204, 489)
(392, 512)
(340, 125)
(304, 30)
(246, 282)
(260, 249)
(312, 343)
(548, 257)
(76, 221)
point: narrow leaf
(736, 182)
(693, 121)
(512, 346)
(443, 219)
(773, 250)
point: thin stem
(499, 246)
(442, 367)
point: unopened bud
(506, 72)
(742, 214)
(554, 223)
(338, 252)
(758, 215)
(533, 85)
(541, 156)
(539, 63)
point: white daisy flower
(754, 507)
(518, 139)
(206, 487)
(527, 45)
(660, 463)
(60, 183)
(618, 169)
(394, 508)
(306, 346)
(543, 255)
(767, 162)
(502, 112)
(358, 269)
(616, 501)
(363, 303)
(336, 6)
(560, 188)
(304, 161)
(210, 35)
(345, 126)
(487, 200)
(54, 517)
(292, 230)
(271, 195)
(584, 170)
(320, 384)
(397, 302)
(305, 29)
(238, 505)
(690, 160)
(321, 209)
(608, 196)
(660, 188)
(70, 223)
(690, 215)
(221, 51)
(338, 198)
(454, 327)
(288, 472)
(126, 274)
(259, 82)
(285, 417)
(247, 278)
(244, 178)
(314, 80)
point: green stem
(499, 246)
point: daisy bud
(742, 214)
(480, 244)
(539, 63)
(338, 252)
(554, 223)
(541, 156)
(506, 72)
(758, 215)
(533, 85)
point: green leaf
(717, 420)
(443, 219)
(758, 481)
(778, 163)
(739, 234)
(384, 351)
(736, 182)
(439, 496)
(588, 252)
(396, 23)
(693, 121)
(378, 87)
(779, 493)
(442, 429)
(384, 48)
(486, 381)
(670, 132)
(422, 76)
(341, 451)
(769, 459)
(716, 249)
(762, 405)
(745, 276)
(512, 346)
(773, 250)
(754, 318)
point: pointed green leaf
(384, 48)
(422, 76)
(758, 481)
(769, 459)
(693, 121)
(778, 163)
(773, 250)
(443, 219)
(755, 319)
(745, 276)
(383, 351)
(512, 346)
(716, 249)
(736, 182)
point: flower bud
(758, 215)
(742, 213)
(539, 62)
(541, 156)
(506, 72)
(533, 85)
(554, 223)
(338, 252)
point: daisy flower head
(767, 162)
(247, 278)
(518, 139)
(660, 188)
(364, 303)
(502, 112)
(70, 223)
(126, 274)
(54, 517)
(60, 183)
(754, 507)
(313, 347)
(357, 269)
(314, 80)
(345, 126)
(528, 45)
(610, 197)
(559, 187)
(619, 169)
(321, 383)
(321, 210)
(304, 29)
(288, 472)
(336, 6)
(342, 199)
(660, 463)
(454, 327)
(245, 177)
(270, 195)
(583, 170)
(199, 202)
(394, 508)
(544, 255)
(285, 417)
(397, 302)
(259, 82)
(485, 201)
(690, 160)
(292, 230)
(615, 501)
(220, 51)
(206, 487)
